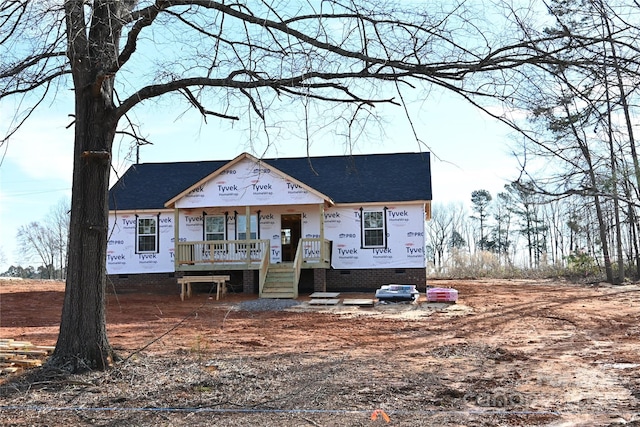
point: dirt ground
(510, 353)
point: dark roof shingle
(345, 179)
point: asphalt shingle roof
(345, 179)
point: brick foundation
(370, 280)
(153, 283)
(316, 280)
(319, 280)
(248, 282)
(165, 283)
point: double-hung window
(214, 227)
(147, 230)
(374, 229)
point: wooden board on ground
(324, 295)
(361, 302)
(324, 301)
(18, 355)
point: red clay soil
(508, 353)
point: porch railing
(315, 250)
(238, 252)
(297, 267)
(246, 253)
(264, 269)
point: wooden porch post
(248, 234)
(322, 233)
(176, 237)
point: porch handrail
(297, 267)
(264, 269)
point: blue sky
(470, 152)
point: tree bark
(82, 342)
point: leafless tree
(36, 241)
(241, 60)
(57, 222)
(445, 221)
(46, 240)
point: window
(147, 235)
(241, 227)
(214, 228)
(241, 231)
(285, 236)
(374, 233)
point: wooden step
(278, 279)
(277, 288)
(268, 283)
(282, 295)
(279, 282)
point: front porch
(277, 280)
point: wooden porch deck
(275, 280)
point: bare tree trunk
(632, 220)
(82, 343)
(614, 189)
(633, 227)
(614, 178)
(602, 227)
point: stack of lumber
(18, 355)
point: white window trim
(155, 235)
(224, 227)
(253, 221)
(363, 229)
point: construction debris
(19, 355)
(360, 302)
(324, 298)
(442, 295)
(396, 293)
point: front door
(291, 230)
